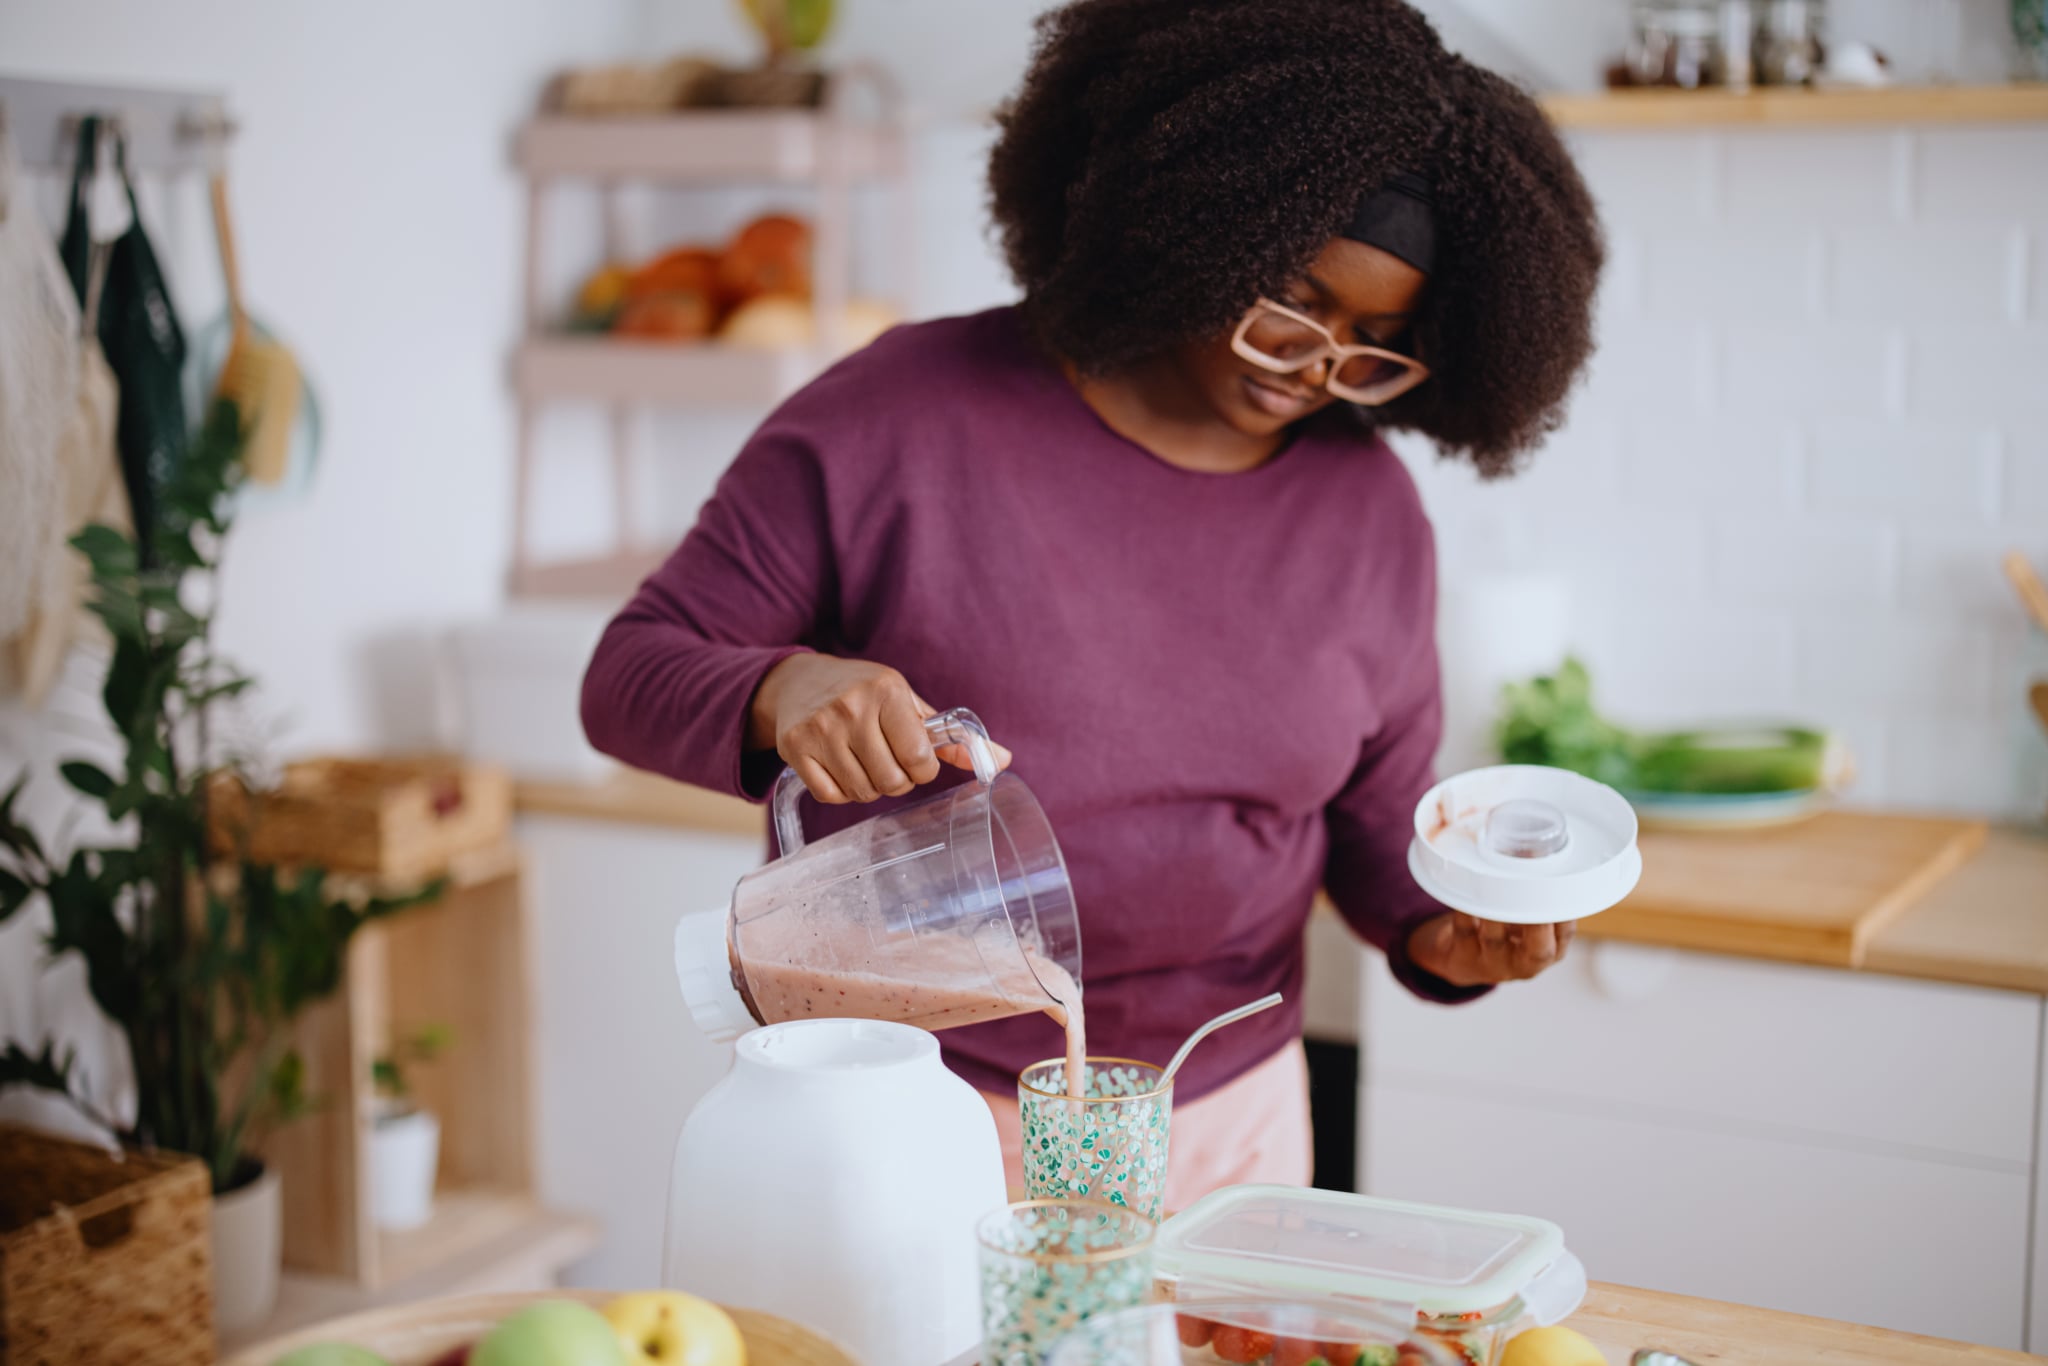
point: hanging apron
(139, 333)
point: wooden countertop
(634, 798)
(1621, 1322)
(1986, 924)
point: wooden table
(1623, 1321)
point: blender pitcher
(949, 911)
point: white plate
(1728, 810)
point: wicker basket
(399, 818)
(104, 1261)
(416, 1334)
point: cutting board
(1811, 893)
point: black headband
(1397, 218)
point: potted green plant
(790, 30)
(201, 961)
(405, 1137)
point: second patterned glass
(1048, 1265)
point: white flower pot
(405, 1150)
(248, 1237)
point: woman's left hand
(1468, 952)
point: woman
(1144, 524)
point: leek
(1551, 720)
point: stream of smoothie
(1068, 1013)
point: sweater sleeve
(675, 672)
(1373, 819)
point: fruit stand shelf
(735, 146)
(1680, 109)
(857, 140)
(682, 374)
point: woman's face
(1362, 294)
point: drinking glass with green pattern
(1110, 1145)
(1047, 1265)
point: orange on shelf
(673, 315)
(771, 255)
(682, 270)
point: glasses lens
(1281, 337)
(1369, 372)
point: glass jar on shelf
(1790, 52)
(1692, 34)
(1735, 53)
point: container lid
(1523, 844)
(1299, 1243)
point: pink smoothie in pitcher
(780, 990)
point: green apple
(331, 1354)
(551, 1333)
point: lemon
(603, 292)
(1551, 1347)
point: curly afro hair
(1168, 161)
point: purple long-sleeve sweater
(1222, 688)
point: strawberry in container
(1459, 1282)
(1248, 1331)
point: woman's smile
(1277, 398)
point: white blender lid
(704, 970)
(1522, 844)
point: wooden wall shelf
(1680, 109)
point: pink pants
(1255, 1129)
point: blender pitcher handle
(956, 727)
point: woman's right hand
(853, 731)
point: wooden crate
(462, 962)
(104, 1261)
(398, 817)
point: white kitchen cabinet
(619, 1063)
(1810, 1139)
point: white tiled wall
(1818, 417)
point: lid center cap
(1525, 828)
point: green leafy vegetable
(1551, 720)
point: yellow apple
(669, 1328)
(1551, 1347)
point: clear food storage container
(1468, 1280)
(1248, 1333)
